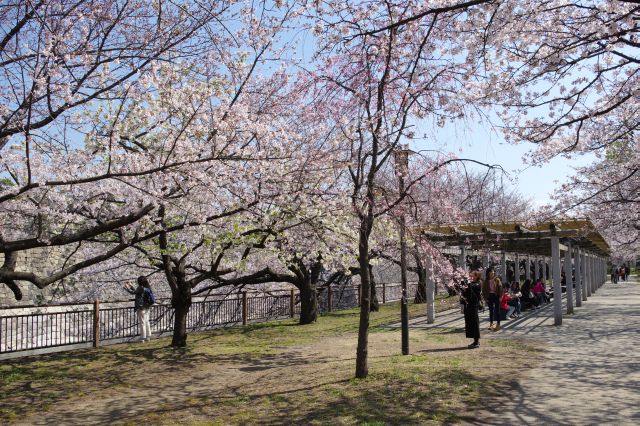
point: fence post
(292, 303)
(244, 307)
(329, 298)
(96, 323)
(384, 292)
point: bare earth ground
(281, 373)
(278, 373)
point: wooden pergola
(585, 252)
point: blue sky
(477, 141)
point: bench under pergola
(585, 252)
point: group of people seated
(530, 296)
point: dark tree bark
(181, 303)
(374, 306)
(174, 271)
(308, 287)
(421, 291)
(362, 352)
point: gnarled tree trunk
(181, 303)
(308, 286)
(421, 291)
(308, 303)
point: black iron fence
(72, 324)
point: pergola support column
(578, 278)
(536, 268)
(557, 283)
(516, 269)
(504, 268)
(594, 284)
(463, 258)
(583, 274)
(527, 269)
(544, 267)
(431, 286)
(587, 274)
(568, 278)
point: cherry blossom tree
(563, 75)
(87, 178)
(384, 77)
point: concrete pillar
(462, 260)
(576, 260)
(527, 269)
(536, 269)
(594, 279)
(557, 281)
(587, 273)
(583, 275)
(594, 262)
(544, 270)
(504, 267)
(516, 269)
(485, 261)
(568, 279)
(431, 286)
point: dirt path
(166, 396)
(161, 393)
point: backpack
(148, 298)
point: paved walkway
(591, 374)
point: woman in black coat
(472, 299)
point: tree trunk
(421, 291)
(362, 365)
(308, 301)
(181, 303)
(374, 306)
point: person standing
(492, 291)
(472, 300)
(144, 298)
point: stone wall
(41, 261)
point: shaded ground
(589, 374)
(275, 373)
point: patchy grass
(277, 372)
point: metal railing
(97, 323)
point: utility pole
(402, 168)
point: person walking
(144, 299)
(472, 300)
(491, 292)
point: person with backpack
(144, 299)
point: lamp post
(401, 157)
